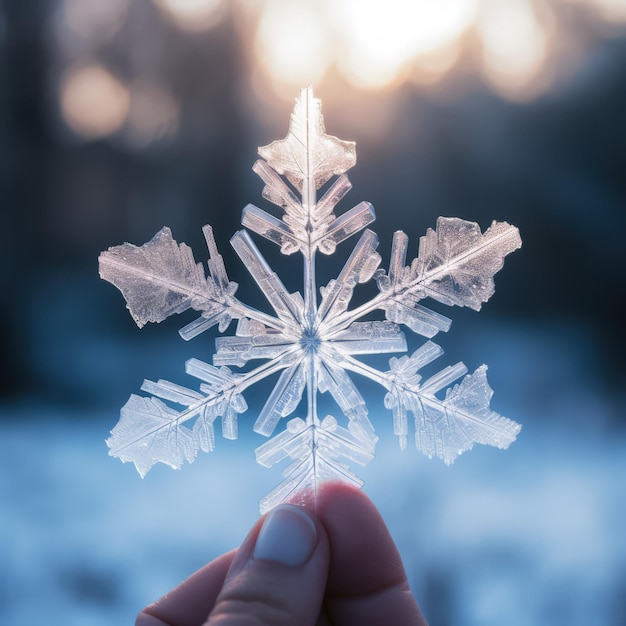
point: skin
(352, 574)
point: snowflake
(315, 343)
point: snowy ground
(533, 535)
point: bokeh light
(193, 15)
(375, 45)
(293, 43)
(94, 103)
(378, 41)
(514, 44)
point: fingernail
(288, 536)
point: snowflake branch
(146, 424)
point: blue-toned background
(119, 117)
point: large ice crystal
(313, 342)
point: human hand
(335, 566)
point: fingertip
(145, 619)
(364, 555)
(288, 536)
(367, 580)
(280, 570)
(336, 498)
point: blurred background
(120, 117)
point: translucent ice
(312, 342)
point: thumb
(279, 574)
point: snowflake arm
(443, 428)
(456, 263)
(333, 446)
(455, 266)
(161, 278)
(308, 157)
(150, 431)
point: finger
(367, 584)
(190, 602)
(279, 574)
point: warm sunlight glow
(380, 40)
(514, 43)
(432, 66)
(371, 43)
(93, 102)
(292, 43)
(193, 15)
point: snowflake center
(310, 340)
